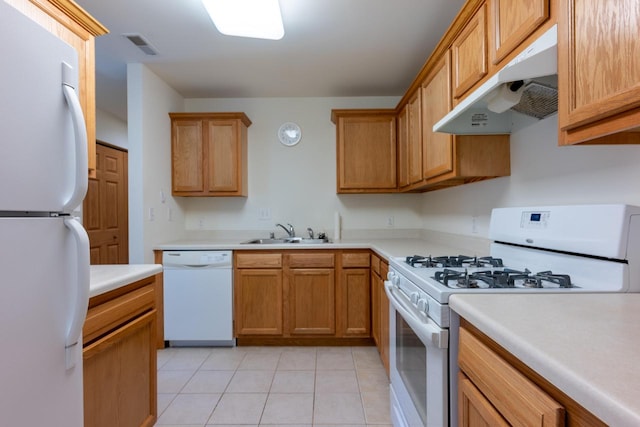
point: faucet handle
(310, 230)
(292, 231)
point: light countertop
(587, 345)
(105, 278)
(436, 244)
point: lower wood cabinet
(380, 308)
(497, 389)
(311, 294)
(355, 294)
(314, 297)
(119, 357)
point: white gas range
(586, 248)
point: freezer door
(39, 268)
(39, 123)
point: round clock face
(289, 134)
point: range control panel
(534, 219)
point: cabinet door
(223, 154)
(355, 302)
(367, 153)
(436, 102)
(598, 72)
(474, 410)
(376, 325)
(470, 54)
(403, 147)
(187, 156)
(513, 22)
(258, 301)
(120, 376)
(414, 173)
(311, 301)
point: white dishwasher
(198, 298)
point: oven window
(411, 363)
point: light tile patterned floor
(274, 386)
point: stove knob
(423, 305)
(415, 297)
(394, 279)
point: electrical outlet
(152, 214)
(264, 214)
(169, 214)
(201, 223)
(474, 224)
(390, 221)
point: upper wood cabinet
(71, 23)
(598, 72)
(209, 154)
(366, 150)
(469, 51)
(512, 22)
(436, 102)
(410, 142)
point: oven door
(418, 365)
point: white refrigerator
(44, 251)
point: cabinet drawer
(311, 260)
(513, 395)
(360, 259)
(266, 260)
(108, 316)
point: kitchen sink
(288, 240)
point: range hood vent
(528, 84)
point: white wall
(111, 129)
(149, 100)
(542, 173)
(297, 184)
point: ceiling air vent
(142, 44)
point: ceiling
(330, 48)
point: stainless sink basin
(292, 240)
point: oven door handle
(428, 331)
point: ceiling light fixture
(246, 18)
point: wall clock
(289, 134)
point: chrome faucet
(290, 231)
(310, 230)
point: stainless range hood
(527, 84)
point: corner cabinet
(598, 72)
(119, 357)
(366, 150)
(209, 154)
(71, 23)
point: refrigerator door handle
(80, 134)
(81, 302)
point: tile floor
(274, 386)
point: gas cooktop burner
(452, 261)
(506, 278)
